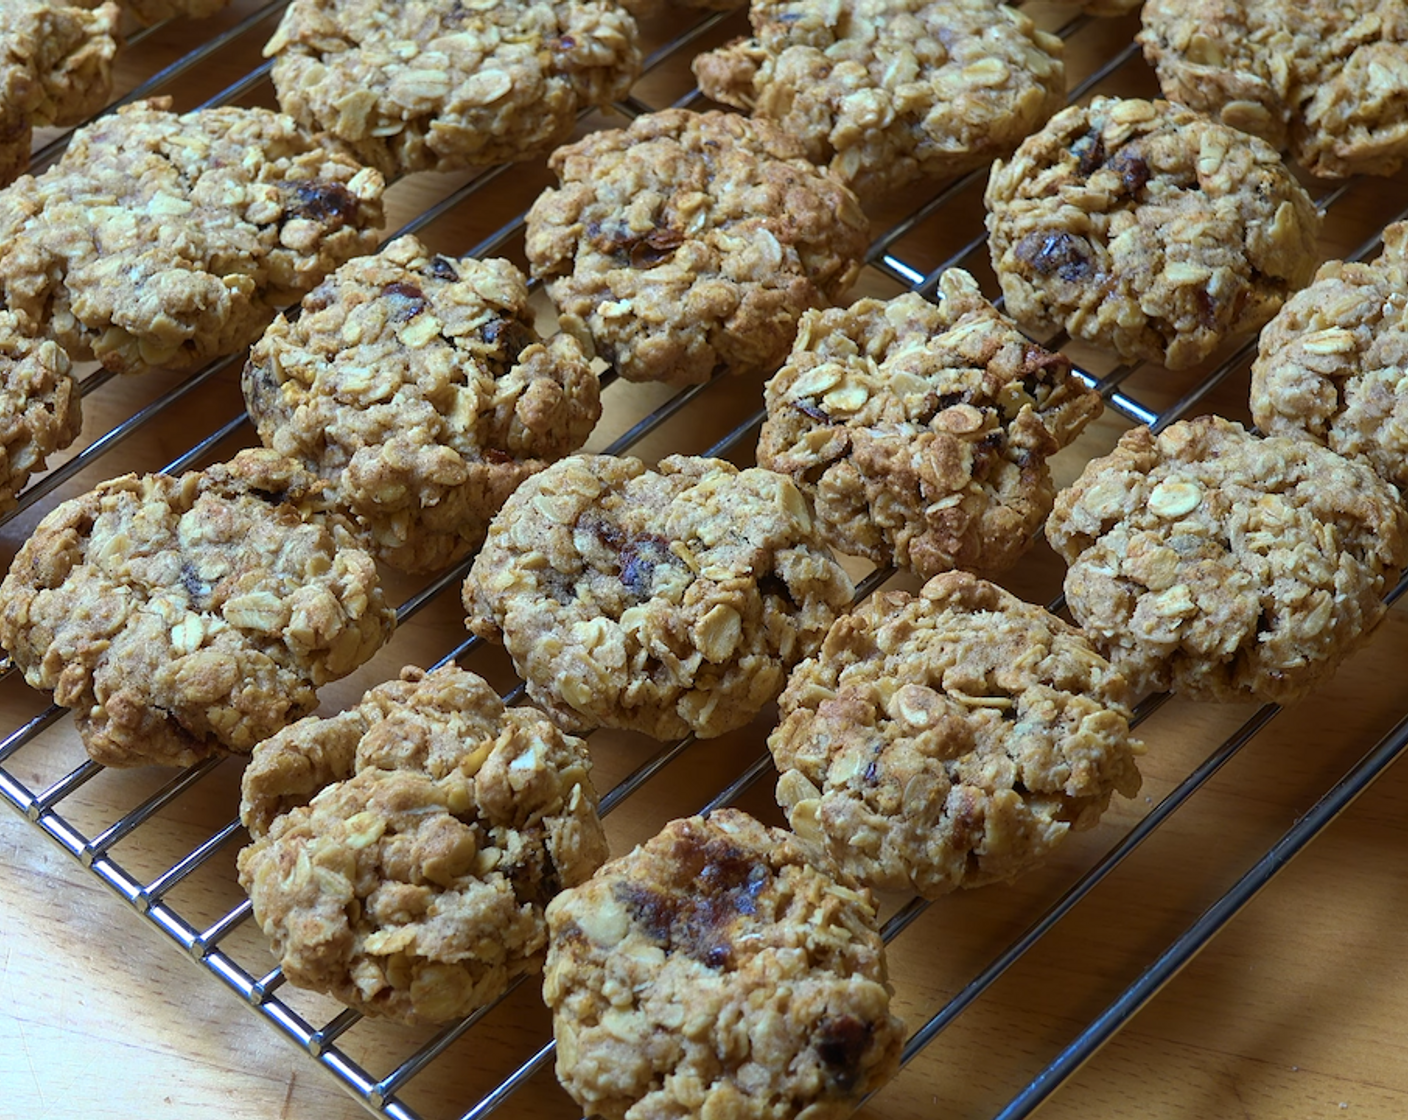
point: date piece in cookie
(422, 85)
(166, 240)
(1332, 366)
(721, 969)
(1224, 565)
(1328, 80)
(950, 739)
(40, 410)
(184, 616)
(920, 432)
(1147, 229)
(667, 601)
(417, 386)
(884, 92)
(690, 243)
(404, 851)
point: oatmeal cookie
(40, 410)
(403, 852)
(689, 244)
(1332, 366)
(950, 739)
(1329, 80)
(721, 969)
(668, 601)
(1147, 229)
(166, 240)
(417, 386)
(921, 433)
(184, 616)
(1224, 565)
(421, 85)
(884, 92)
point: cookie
(920, 433)
(721, 969)
(690, 243)
(416, 385)
(667, 601)
(183, 616)
(40, 410)
(1331, 366)
(166, 240)
(1147, 229)
(885, 92)
(1224, 565)
(1327, 80)
(403, 852)
(428, 86)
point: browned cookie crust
(417, 386)
(40, 411)
(920, 432)
(165, 240)
(884, 92)
(403, 852)
(689, 244)
(1333, 365)
(183, 616)
(425, 85)
(1147, 229)
(668, 601)
(1224, 565)
(722, 969)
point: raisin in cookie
(884, 92)
(184, 616)
(40, 410)
(1332, 366)
(419, 85)
(166, 240)
(721, 969)
(417, 386)
(1225, 565)
(921, 433)
(1146, 228)
(403, 851)
(668, 601)
(689, 244)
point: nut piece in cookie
(721, 969)
(1332, 366)
(166, 240)
(1224, 565)
(920, 432)
(1147, 229)
(416, 385)
(40, 410)
(403, 851)
(666, 601)
(884, 92)
(422, 85)
(184, 616)
(950, 739)
(690, 243)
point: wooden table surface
(1294, 1010)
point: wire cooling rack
(150, 853)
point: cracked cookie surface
(40, 409)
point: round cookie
(720, 969)
(920, 433)
(182, 616)
(403, 852)
(951, 738)
(1147, 229)
(418, 387)
(40, 406)
(884, 92)
(1224, 565)
(689, 244)
(1332, 366)
(419, 85)
(668, 601)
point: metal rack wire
(382, 1092)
